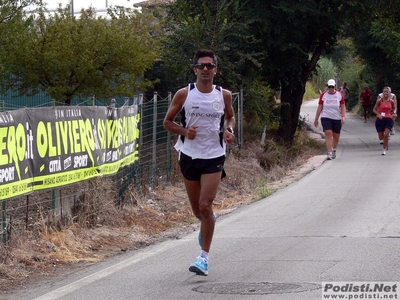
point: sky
(98, 4)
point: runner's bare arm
(173, 110)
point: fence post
(135, 169)
(169, 156)
(27, 213)
(141, 120)
(154, 167)
(53, 199)
(4, 221)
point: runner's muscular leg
(209, 188)
(193, 189)
(380, 135)
(386, 134)
(201, 196)
(335, 140)
(328, 140)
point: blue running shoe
(200, 266)
(200, 239)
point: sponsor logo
(360, 290)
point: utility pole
(72, 7)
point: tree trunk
(292, 95)
(291, 100)
(68, 101)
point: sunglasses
(331, 87)
(208, 65)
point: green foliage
(217, 25)
(278, 157)
(310, 93)
(346, 68)
(325, 71)
(263, 47)
(222, 27)
(11, 10)
(295, 34)
(351, 75)
(386, 31)
(262, 190)
(274, 42)
(69, 56)
(260, 107)
(13, 19)
(376, 42)
(343, 54)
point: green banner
(44, 148)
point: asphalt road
(340, 223)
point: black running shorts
(330, 124)
(382, 124)
(192, 169)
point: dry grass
(102, 228)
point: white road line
(62, 291)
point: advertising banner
(42, 148)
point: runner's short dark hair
(204, 53)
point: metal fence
(157, 160)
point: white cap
(331, 82)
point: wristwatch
(230, 129)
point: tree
(68, 56)
(282, 44)
(216, 25)
(11, 14)
(296, 34)
(377, 42)
(276, 41)
(11, 9)
(222, 27)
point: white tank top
(206, 110)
